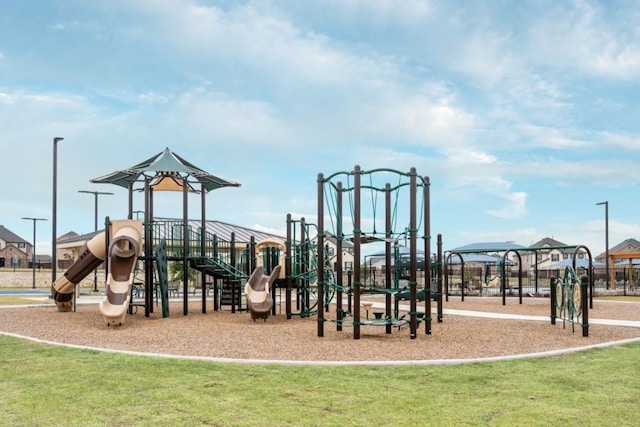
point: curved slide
(257, 291)
(124, 247)
(91, 256)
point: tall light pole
(606, 237)
(33, 253)
(54, 217)
(95, 225)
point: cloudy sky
(523, 114)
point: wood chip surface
(222, 334)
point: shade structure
(167, 171)
(488, 247)
(583, 263)
(403, 251)
(480, 258)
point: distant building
(14, 250)
(331, 246)
(627, 246)
(550, 251)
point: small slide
(123, 251)
(257, 291)
(123, 255)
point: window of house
(555, 257)
(331, 251)
(21, 245)
(580, 255)
(565, 256)
(348, 265)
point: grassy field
(42, 385)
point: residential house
(627, 246)
(14, 250)
(549, 251)
(331, 245)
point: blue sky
(524, 114)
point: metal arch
(503, 271)
(447, 261)
(590, 275)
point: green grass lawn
(42, 385)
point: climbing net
(374, 203)
(367, 206)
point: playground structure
(505, 250)
(331, 191)
(569, 300)
(299, 264)
(570, 297)
(122, 244)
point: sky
(523, 114)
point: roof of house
(547, 242)
(9, 236)
(628, 245)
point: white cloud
(623, 141)
(515, 206)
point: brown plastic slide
(257, 291)
(123, 253)
(90, 257)
(123, 256)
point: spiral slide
(124, 247)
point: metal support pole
(33, 252)
(54, 231)
(95, 225)
(606, 238)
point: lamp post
(33, 253)
(606, 238)
(54, 231)
(95, 225)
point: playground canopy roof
(481, 258)
(584, 263)
(167, 170)
(485, 247)
(403, 251)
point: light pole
(54, 218)
(33, 254)
(95, 225)
(606, 237)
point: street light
(33, 254)
(606, 237)
(54, 231)
(95, 226)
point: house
(549, 251)
(331, 245)
(627, 246)
(14, 250)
